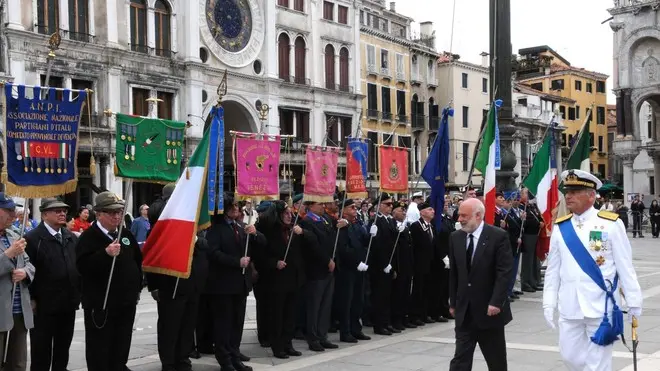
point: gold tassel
(92, 166)
(187, 173)
(303, 180)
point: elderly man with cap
(55, 290)
(229, 281)
(412, 214)
(423, 235)
(384, 231)
(15, 269)
(403, 267)
(590, 259)
(109, 330)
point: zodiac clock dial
(233, 30)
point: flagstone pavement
(531, 346)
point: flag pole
(477, 148)
(587, 119)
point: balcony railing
(402, 119)
(345, 88)
(385, 71)
(418, 122)
(45, 29)
(140, 48)
(434, 123)
(93, 121)
(387, 116)
(299, 80)
(400, 75)
(373, 114)
(78, 36)
(371, 69)
(534, 112)
(297, 143)
(167, 53)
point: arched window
(329, 67)
(283, 48)
(343, 70)
(138, 21)
(301, 60)
(79, 20)
(48, 16)
(162, 23)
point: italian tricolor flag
(171, 242)
(485, 163)
(579, 157)
(543, 184)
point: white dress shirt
(52, 231)
(475, 238)
(573, 291)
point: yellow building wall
(583, 99)
(392, 82)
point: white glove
(373, 231)
(446, 261)
(458, 226)
(634, 312)
(362, 267)
(402, 227)
(388, 269)
(549, 314)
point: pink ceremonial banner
(257, 164)
(320, 174)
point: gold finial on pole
(222, 88)
(54, 43)
(263, 115)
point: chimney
(485, 60)
(392, 7)
(426, 34)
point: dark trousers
(400, 298)
(204, 328)
(366, 299)
(281, 311)
(514, 273)
(655, 226)
(319, 305)
(491, 342)
(228, 320)
(107, 348)
(381, 293)
(301, 310)
(637, 223)
(350, 298)
(443, 291)
(50, 340)
(176, 325)
(419, 299)
(529, 271)
(262, 296)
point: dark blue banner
(41, 141)
(357, 152)
(216, 163)
(436, 169)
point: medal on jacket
(595, 240)
(125, 241)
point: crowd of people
(315, 268)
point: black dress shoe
(367, 323)
(514, 296)
(348, 339)
(518, 292)
(409, 325)
(243, 357)
(441, 319)
(527, 289)
(429, 320)
(399, 327)
(418, 322)
(227, 368)
(281, 355)
(393, 330)
(292, 352)
(316, 347)
(333, 330)
(361, 336)
(239, 366)
(299, 335)
(328, 345)
(539, 288)
(264, 344)
(382, 331)
(195, 354)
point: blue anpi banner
(41, 140)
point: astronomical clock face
(233, 30)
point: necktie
(236, 236)
(114, 235)
(470, 252)
(58, 237)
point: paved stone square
(531, 346)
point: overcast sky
(570, 27)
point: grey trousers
(17, 353)
(318, 294)
(530, 268)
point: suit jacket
(56, 288)
(486, 283)
(382, 244)
(423, 246)
(292, 277)
(6, 295)
(318, 251)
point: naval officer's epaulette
(564, 218)
(608, 215)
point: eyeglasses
(114, 212)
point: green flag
(579, 158)
(149, 149)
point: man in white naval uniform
(600, 236)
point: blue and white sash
(607, 333)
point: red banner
(356, 168)
(321, 174)
(393, 167)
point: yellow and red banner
(393, 168)
(320, 173)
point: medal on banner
(168, 138)
(123, 132)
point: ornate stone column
(627, 176)
(628, 114)
(656, 174)
(620, 129)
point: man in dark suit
(481, 263)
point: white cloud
(571, 27)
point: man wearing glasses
(108, 331)
(55, 290)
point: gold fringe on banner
(318, 198)
(255, 198)
(357, 195)
(92, 165)
(39, 191)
